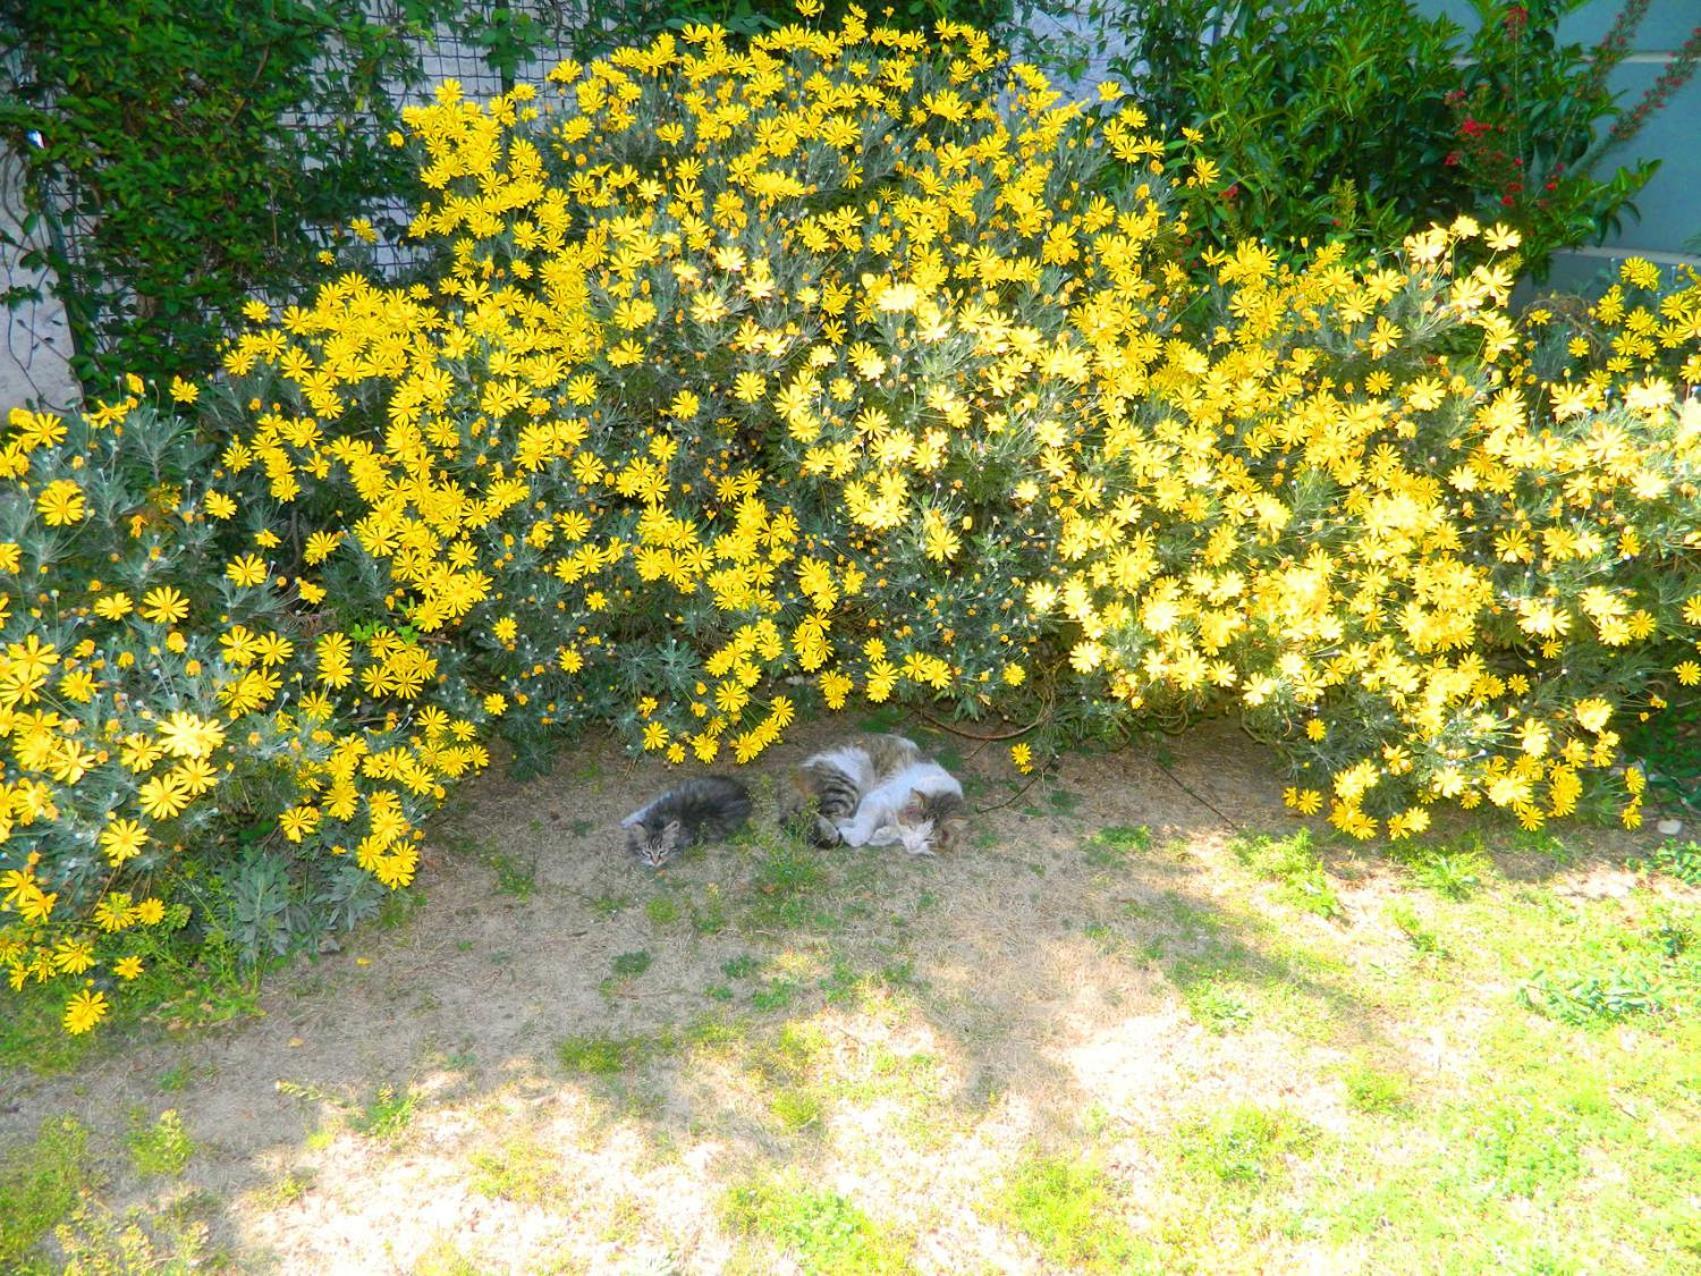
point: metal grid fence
(34, 357)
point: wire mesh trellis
(486, 45)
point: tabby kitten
(919, 806)
(826, 788)
(698, 810)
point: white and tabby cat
(920, 807)
(874, 790)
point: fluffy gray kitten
(698, 810)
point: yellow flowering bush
(830, 368)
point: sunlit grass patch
(387, 1113)
(160, 1149)
(1293, 864)
(1242, 1143)
(822, 1231)
(601, 1055)
(39, 1185)
(1065, 1207)
(521, 1170)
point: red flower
(1517, 18)
(1232, 192)
(1474, 127)
(1452, 160)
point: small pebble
(1670, 828)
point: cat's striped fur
(826, 788)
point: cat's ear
(914, 809)
(670, 835)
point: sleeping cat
(919, 806)
(826, 787)
(698, 810)
(875, 790)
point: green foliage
(39, 1185)
(512, 877)
(1325, 121)
(826, 1233)
(1371, 1089)
(1681, 860)
(1243, 1143)
(1216, 1004)
(173, 1241)
(606, 1056)
(631, 965)
(521, 1170)
(1412, 926)
(661, 910)
(1112, 845)
(1593, 1000)
(741, 967)
(389, 1112)
(1454, 869)
(162, 1149)
(168, 132)
(1065, 1206)
(1293, 863)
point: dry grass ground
(1111, 1036)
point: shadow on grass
(738, 1000)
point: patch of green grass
(1293, 864)
(631, 965)
(1409, 924)
(719, 992)
(159, 1150)
(398, 908)
(1064, 1205)
(1111, 846)
(775, 994)
(513, 877)
(1592, 1001)
(446, 1258)
(784, 888)
(796, 1109)
(606, 906)
(32, 1032)
(168, 1240)
(39, 1185)
(1242, 1143)
(709, 917)
(741, 967)
(714, 1032)
(522, 1170)
(825, 1233)
(180, 1076)
(661, 910)
(1216, 1004)
(1064, 802)
(1681, 860)
(389, 1112)
(605, 1056)
(1455, 869)
(1371, 1089)
(286, 1189)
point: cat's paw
(825, 832)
